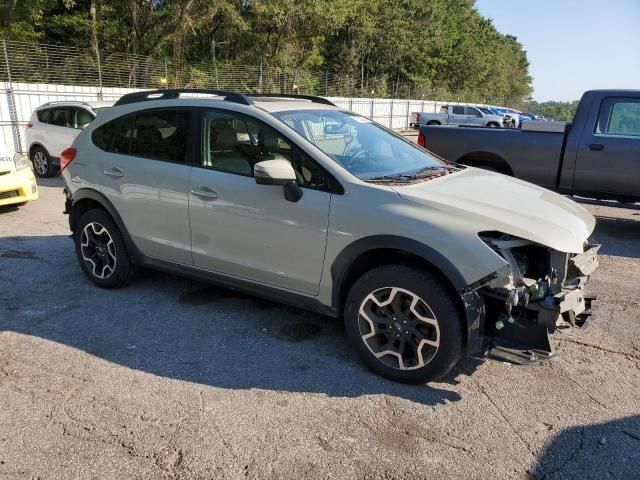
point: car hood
(489, 201)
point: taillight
(29, 125)
(66, 157)
(421, 140)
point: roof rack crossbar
(311, 98)
(65, 101)
(167, 94)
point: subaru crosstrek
(297, 200)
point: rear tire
(433, 123)
(404, 324)
(42, 164)
(101, 251)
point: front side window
(366, 149)
(234, 143)
(619, 116)
(473, 111)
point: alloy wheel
(98, 250)
(399, 328)
(40, 163)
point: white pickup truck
(458, 115)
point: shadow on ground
(189, 331)
(618, 236)
(607, 450)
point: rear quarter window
(43, 116)
(101, 136)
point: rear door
(59, 132)
(608, 158)
(458, 115)
(145, 174)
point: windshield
(366, 149)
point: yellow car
(17, 183)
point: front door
(608, 157)
(251, 231)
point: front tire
(42, 164)
(101, 251)
(404, 324)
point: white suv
(297, 200)
(53, 127)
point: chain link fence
(34, 74)
(53, 64)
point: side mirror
(278, 172)
(274, 172)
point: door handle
(205, 192)
(114, 172)
(596, 147)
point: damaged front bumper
(540, 291)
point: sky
(573, 45)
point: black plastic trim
(312, 98)
(170, 94)
(191, 271)
(87, 193)
(244, 286)
(346, 258)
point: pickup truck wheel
(493, 125)
(404, 324)
(101, 250)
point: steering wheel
(358, 156)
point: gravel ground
(169, 378)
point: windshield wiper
(431, 171)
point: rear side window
(60, 117)
(82, 118)
(458, 110)
(156, 134)
(619, 116)
(124, 133)
(101, 136)
(161, 135)
(43, 116)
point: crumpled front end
(539, 291)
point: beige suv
(295, 199)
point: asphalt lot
(169, 378)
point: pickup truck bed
(488, 147)
(597, 155)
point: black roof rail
(167, 94)
(312, 98)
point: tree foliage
(556, 110)
(436, 48)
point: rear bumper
(18, 187)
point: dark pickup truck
(596, 156)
